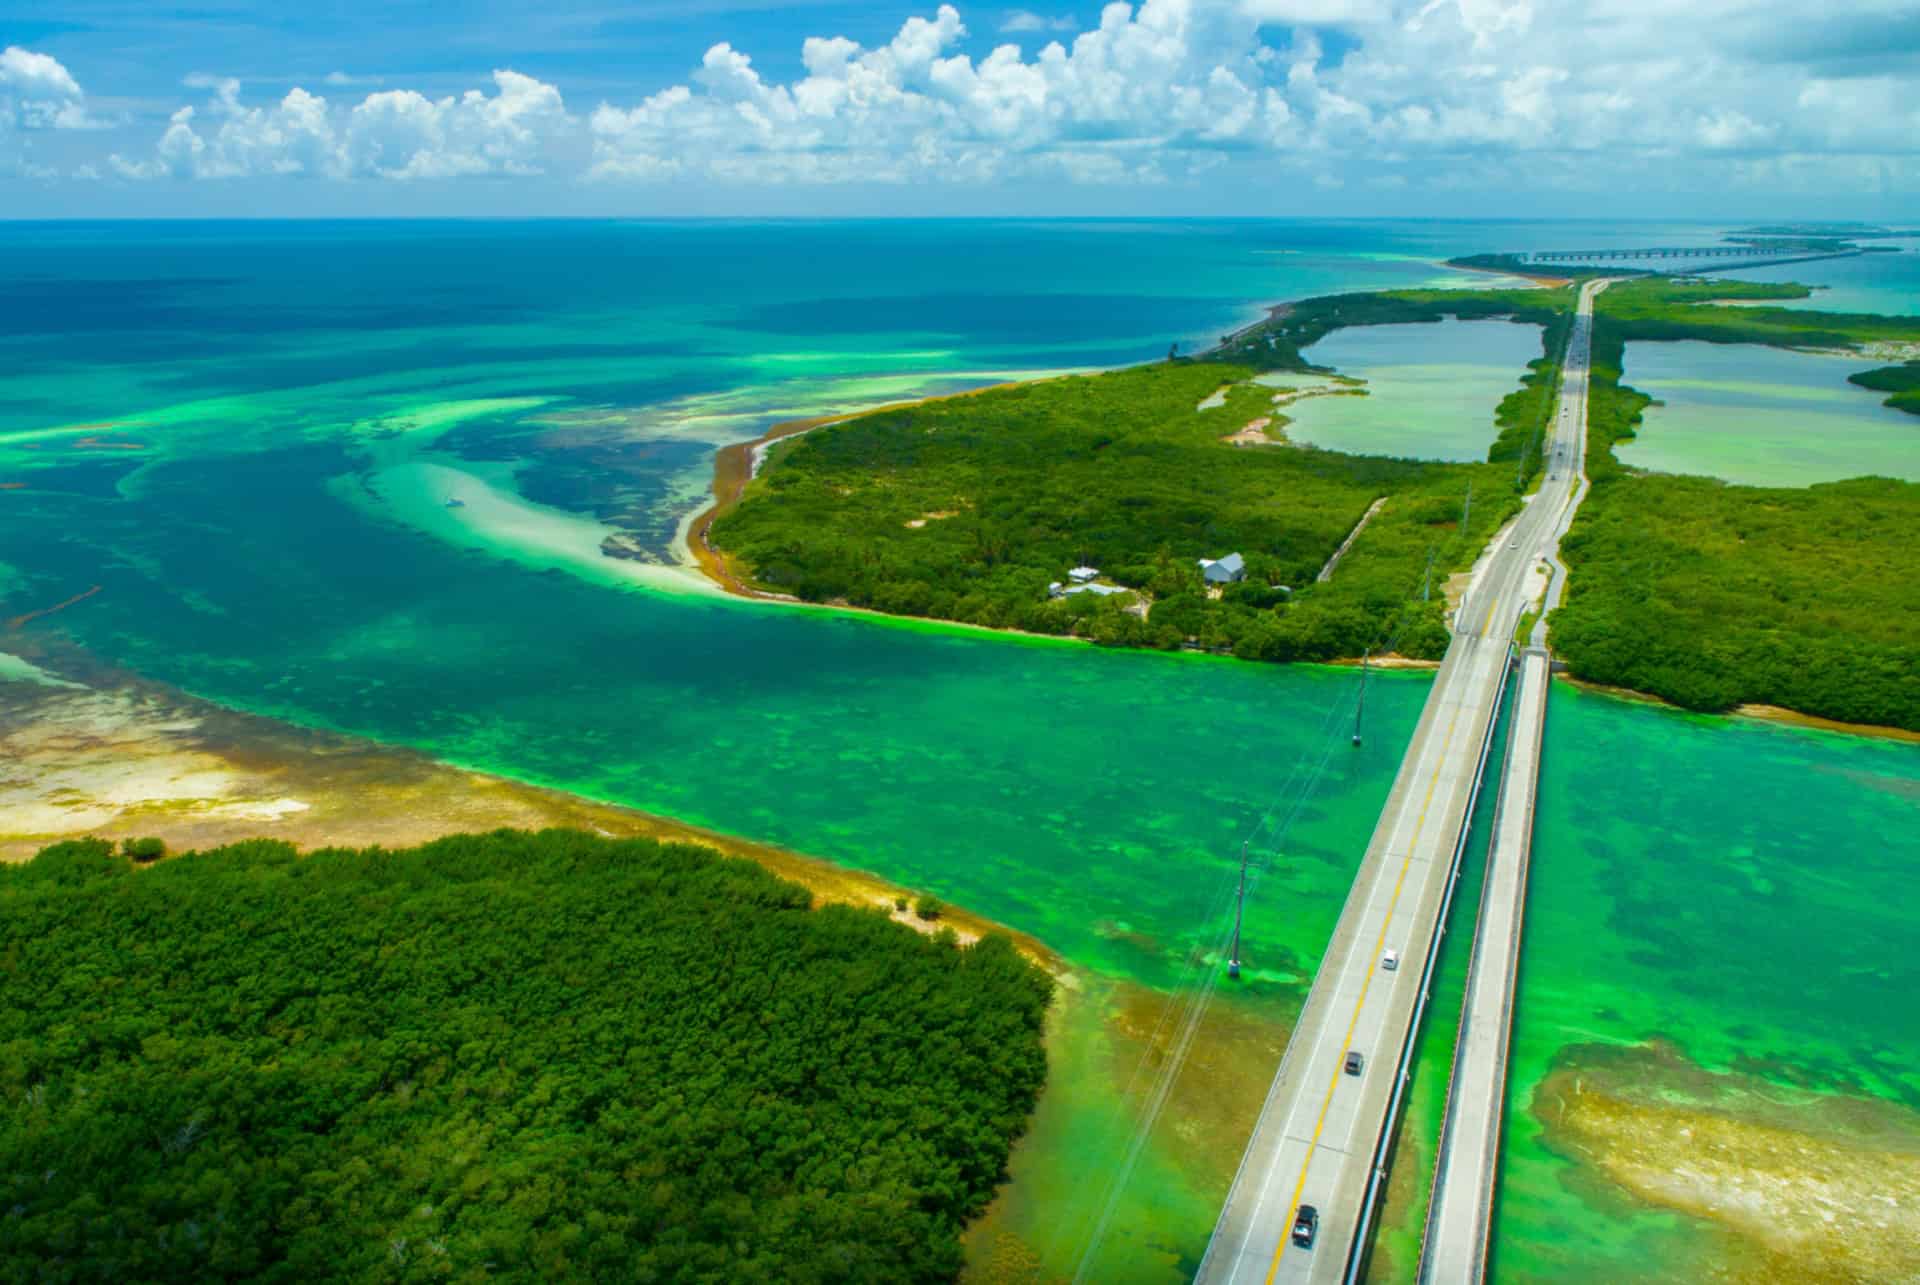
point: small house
(1080, 575)
(1099, 590)
(1055, 589)
(1231, 569)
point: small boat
(456, 504)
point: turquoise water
(1764, 416)
(247, 436)
(1431, 389)
(1883, 283)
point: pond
(1764, 416)
(1431, 388)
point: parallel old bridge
(1325, 1135)
(1699, 258)
(1655, 252)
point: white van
(1390, 961)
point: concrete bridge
(1326, 1131)
(1460, 1214)
(1693, 259)
(1653, 252)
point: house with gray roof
(1231, 569)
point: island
(1102, 506)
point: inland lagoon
(1762, 416)
(1429, 389)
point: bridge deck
(1321, 1129)
(1460, 1215)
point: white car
(1390, 961)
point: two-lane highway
(1316, 1141)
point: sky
(1337, 108)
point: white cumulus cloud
(394, 134)
(1361, 93)
(36, 92)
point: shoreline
(1776, 714)
(1538, 278)
(109, 754)
(735, 466)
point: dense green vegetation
(1711, 595)
(1525, 413)
(508, 1056)
(1901, 381)
(1275, 344)
(1702, 593)
(967, 509)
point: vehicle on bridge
(1390, 961)
(1355, 1062)
(1306, 1225)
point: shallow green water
(1095, 799)
(281, 541)
(1741, 890)
(1764, 416)
(1431, 388)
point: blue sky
(1610, 108)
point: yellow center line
(1406, 863)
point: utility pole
(1466, 518)
(1361, 708)
(1426, 585)
(1239, 904)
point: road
(1460, 1217)
(1319, 1130)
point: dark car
(1355, 1063)
(1305, 1225)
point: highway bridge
(1460, 1212)
(1325, 1132)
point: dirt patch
(938, 515)
(1388, 660)
(1254, 434)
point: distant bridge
(1699, 258)
(1654, 252)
